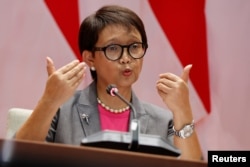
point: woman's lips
(127, 72)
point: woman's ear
(88, 58)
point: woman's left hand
(174, 91)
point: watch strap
(180, 132)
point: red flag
(184, 25)
(66, 15)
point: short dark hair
(107, 15)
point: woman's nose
(126, 58)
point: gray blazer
(70, 124)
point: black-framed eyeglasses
(115, 51)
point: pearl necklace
(116, 111)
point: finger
(166, 82)
(75, 81)
(78, 79)
(50, 66)
(161, 93)
(68, 67)
(169, 76)
(80, 68)
(163, 88)
(186, 71)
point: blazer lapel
(89, 119)
(88, 111)
(142, 116)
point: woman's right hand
(62, 83)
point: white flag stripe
(28, 34)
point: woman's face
(124, 71)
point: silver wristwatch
(186, 131)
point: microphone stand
(135, 123)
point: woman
(113, 43)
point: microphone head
(111, 90)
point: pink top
(112, 121)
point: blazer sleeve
(52, 130)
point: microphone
(135, 124)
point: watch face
(186, 131)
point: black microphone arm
(135, 124)
(113, 91)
